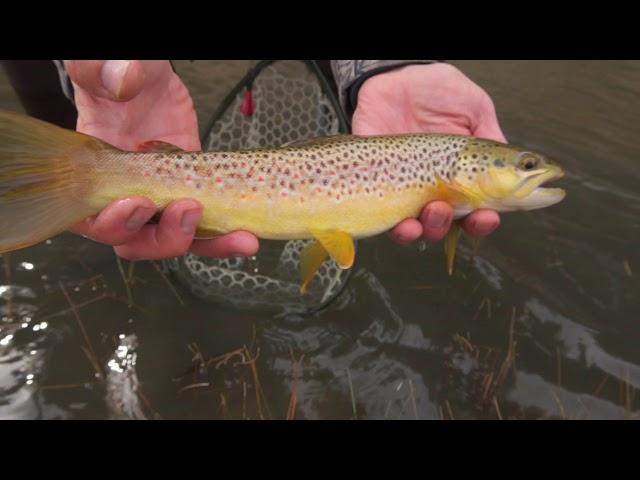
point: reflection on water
(539, 321)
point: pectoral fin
(206, 234)
(338, 244)
(311, 259)
(451, 243)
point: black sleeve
(37, 84)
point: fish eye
(528, 162)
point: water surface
(539, 321)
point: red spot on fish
(218, 180)
(188, 178)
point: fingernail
(190, 220)
(401, 239)
(436, 219)
(138, 218)
(113, 73)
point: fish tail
(44, 173)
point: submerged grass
(88, 347)
(168, 283)
(126, 279)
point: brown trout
(331, 189)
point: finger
(236, 244)
(171, 237)
(481, 223)
(119, 222)
(436, 220)
(406, 231)
(118, 80)
(486, 123)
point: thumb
(485, 123)
(118, 80)
(490, 130)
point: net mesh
(290, 105)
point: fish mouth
(533, 183)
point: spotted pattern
(335, 168)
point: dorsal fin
(158, 146)
(318, 140)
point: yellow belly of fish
(282, 218)
(292, 219)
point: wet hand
(435, 98)
(127, 103)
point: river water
(541, 320)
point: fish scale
(327, 178)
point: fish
(332, 190)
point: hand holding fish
(127, 103)
(435, 98)
(333, 189)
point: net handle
(344, 126)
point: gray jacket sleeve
(351, 74)
(348, 74)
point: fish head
(505, 177)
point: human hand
(127, 103)
(435, 98)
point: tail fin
(43, 179)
